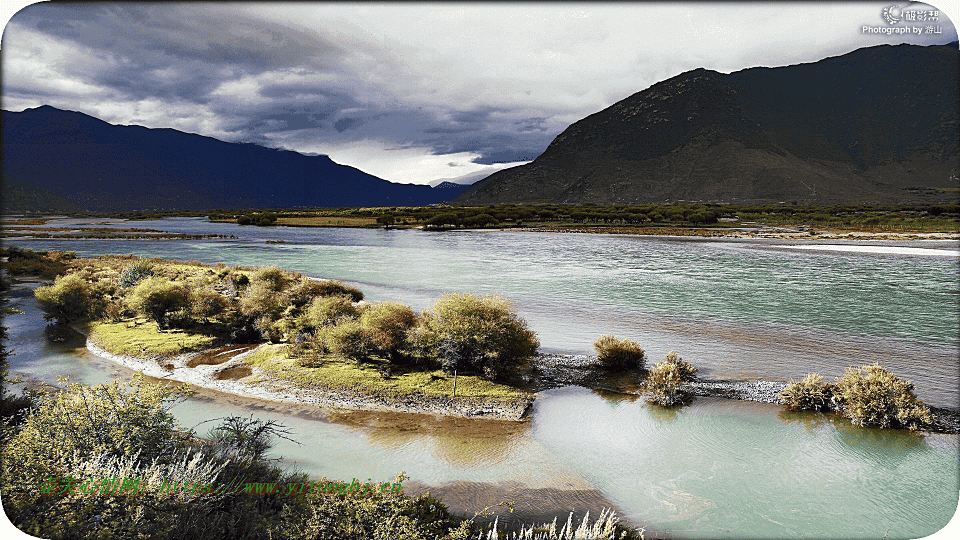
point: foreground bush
(616, 353)
(809, 394)
(105, 434)
(115, 420)
(872, 396)
(483, 334)
(606, 527)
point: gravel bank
(554, 370)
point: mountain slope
(104, 167)
(875, 124)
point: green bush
(69, 299)
(120, 431)
(616, 353)
(811, 393)
(260, 301)
(303, 292)
(465, 331)
(206, 302)
(326, 310)
(130, 420)
(376, 516)
(157, 298)
(133, 274)
(335, 288)
(274, 278)
(348, 339)
(387, 325)
(872, 396)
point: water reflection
(457, 442)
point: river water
(770, 309)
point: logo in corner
(891, 14)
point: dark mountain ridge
(104, 167)
(876, 124)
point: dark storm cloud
(174, 51)
(186, 53)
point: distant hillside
(51, 157)
(877, 124)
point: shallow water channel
(716, 468)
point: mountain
(51, 157)
(876, 124)
(466, 179)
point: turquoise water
(716, 468)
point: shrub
(809, 394)
(205, 302)
(274, 277)
(69, 299)
(304, 291)
(465, 331)
(156, 297)
(616, 353)
(387, 324)
(132, 275)
(259, 300)
(335, 288)
(125, 431)
(377, 515)
(46, 264)
(349, 339)
(664, 385)
(326, 310)
(247, 438)
(130, 420)
(872, 396)
(687, 371)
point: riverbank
(233, 375)
(782, 233)
(555, 370)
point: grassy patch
(139, 337)
(336, 375)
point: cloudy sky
(408, 92)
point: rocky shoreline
(554, 370)
(545, 372)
